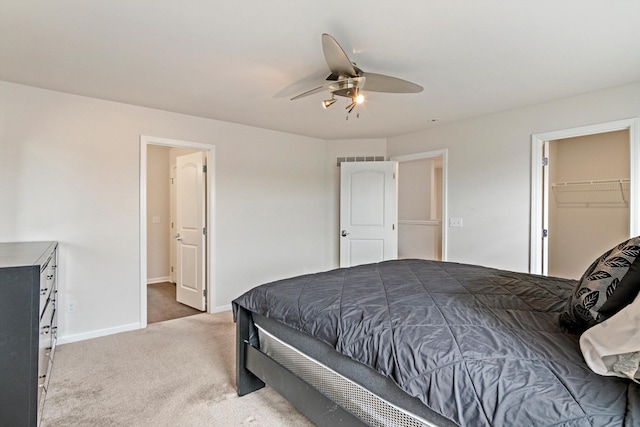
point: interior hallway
(162, 304)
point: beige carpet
(175, 373)
(162, 304)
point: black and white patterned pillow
(610, 283)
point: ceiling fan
(347, 80)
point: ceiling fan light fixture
(328, 102)
(347, 80)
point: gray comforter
(480, 346)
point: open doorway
(166, 299)
(588, 203)
(543, 193)
(422, 190)
(160, 225)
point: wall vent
(339, 160)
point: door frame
(444, 153)
(209, 152)
(538, 188)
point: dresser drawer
(46, 346)
(47, 282)
(47, 333)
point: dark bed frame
(254, 369)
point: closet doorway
(590, 184)
(588, 199)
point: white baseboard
(65, 339)
(220, 308)
(158, 280)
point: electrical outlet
(455, 222)
(71, 307)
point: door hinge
(172, 268)
(545, 233)
(394, 175)
(204, 293)
(545, 161)
(204, 168)
(204, 230)
(393, 226)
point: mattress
(372, 397)
(474, 345)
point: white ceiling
(240, 61)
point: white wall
(158, 242)
(489, 170)
(69, 171)
(414, 190)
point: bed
(416, 342)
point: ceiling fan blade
(312, 80)
(382, 83)
(337, 60)
(309, 92)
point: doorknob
(177, 237)
(344, 233)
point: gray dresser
(28, 291)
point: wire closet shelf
(596, 193)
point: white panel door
(190, 230)
(368, 212)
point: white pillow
(612, 347)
